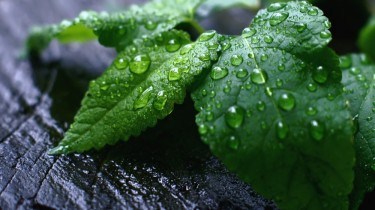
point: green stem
(196, 26)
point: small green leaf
(367, 39)
(116, 29)
(140, 87)
(278, 117)
(359, 88)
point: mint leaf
(359, 88)
(140, 87)
(366, 39)
(116, 29)
(272, 110)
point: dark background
(166, 167)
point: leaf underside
(272, 110)
(359, 89)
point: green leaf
(272, 110)
(116, 29)
(366, 39)
(140, 87)
(211, 6)
(359, 88)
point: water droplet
(202, 129)
(312, 87)
(218, 73)
(281, 67)
(258, 76)
(227, 89)
(234, 116)
(236, 60)
(327, 24)
(279, 83)
(313, 11)
(173, 45)
(325, 34)
(320, 75)
(161, 99)
(174, 74)
(345, 62)
(261, 106)
(276, 6)
(316, 130)
(241, 73)
(185, 49)
(311, 111)
(140, 64)
(364, 59)
(355, 70)
(269, 91)
(204, 56)
(287, 101)
(263, 125)
(268, 39)
(209, 116)
(204, 92)
(301, 27)
(207, 36)
(121, 63)
(254, 40)
(263, 57)
(150, 25)
(248, 32)
(282, 130)
(251, 55)
(360, 78)
(233, 142)
(278, 18)
(143, 99)
(303, 9)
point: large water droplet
(202, 129)
(258, 76)
(143, 99)
(173, 45)
(320, 75)
(161, 99)
(140, 64)
(316, 130)
(301, 27)
(263, 57)
(121, 63)
(218, 73)
(207, 35)
(236, 60)
(174, 74)
(268, 39)
(282, 130)
(241, 73)
(325, 34)
(278, 18)
(276, 6)
(313, 11)
(248, 32)
(234, 116)
(286, 101)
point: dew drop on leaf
(281, 67)
(282, 130)
(276, 6)
(278, 18)
(150, 25)
(325, 34)
(121, 63)
(355, 70)
(279, 83)
(320, 75)
(234, 116)
(202, 129)
(207, 36)
(140, 64)
(185, 49)
(301, 27)
(236, 60)
(241, 73)
(233, 142)
(312, 87)
(173, 45)
(345, 62)
(263, 57)
(287, 101)
(316, 130)
(258, 76)
(313, 11)
(251, 55)
(161, 99)
(248, 32)
(218, 73)
(261, 106)
(143, 99)
(311, 111)
(174, 74)
(268, 39)
(204, 57)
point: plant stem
(197, 26)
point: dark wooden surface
(167, 167)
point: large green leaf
(140, 87)
(116, 29)
(272, 109)
(359, 87)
